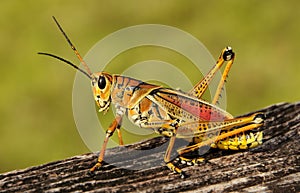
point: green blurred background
(36, 121)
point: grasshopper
(172, 113)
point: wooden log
(272, 167)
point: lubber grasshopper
(170, 112)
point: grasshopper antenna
(88, 71)
(68, 62)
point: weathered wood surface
(272, 167)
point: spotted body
(172, 113)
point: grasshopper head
(101, 85)
(101, 82)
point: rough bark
(272, 167)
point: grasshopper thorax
(101, 86)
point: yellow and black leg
(190, 161)
(169, 162)
(115, 124)
(229, 130)
(198, 90)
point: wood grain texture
(272, 167)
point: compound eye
(101, 82)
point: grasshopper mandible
(170, 112)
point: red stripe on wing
(197, 108)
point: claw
(259, 118)
(183, 175)
(96, 166)
(90, 173)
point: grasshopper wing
(185, 107)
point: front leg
(115, 125)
